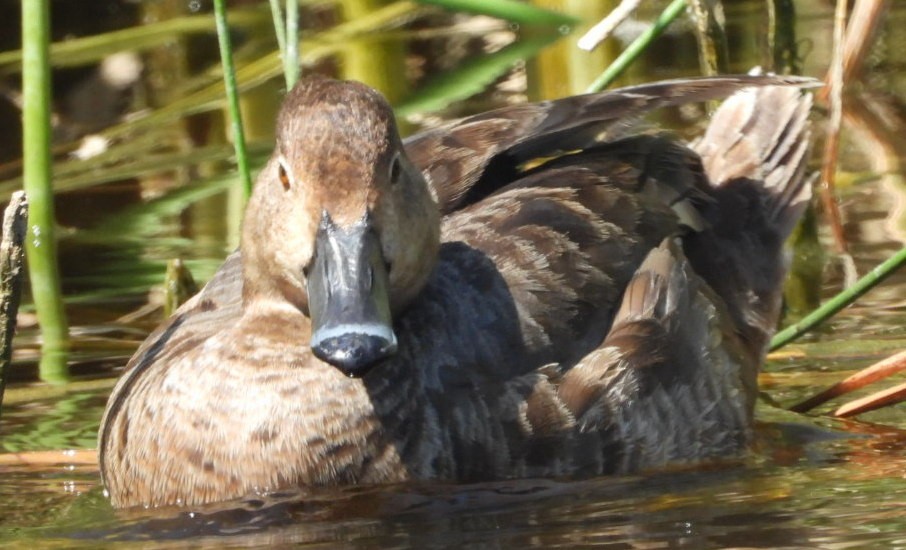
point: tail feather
(762, 134)
(754, 154)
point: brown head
(341, 225)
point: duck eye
(395, 169)
(284, 176)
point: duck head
(341, 226)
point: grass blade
(511, 10)
(279, 25)
(470, 78)
(638, 46)
(77, 52)
(232, 92)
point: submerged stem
(840, 301)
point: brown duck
(530, 291)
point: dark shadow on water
(507, 515)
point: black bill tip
(354, 349)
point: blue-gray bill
(348, 299)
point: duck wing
(469, 159)
(671, 382)
(568, 236)
(675, 378)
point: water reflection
(744, 506)
(804, 487)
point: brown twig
(848, 65)
(12, 249)
(864, 377)
(74, 457)
(860, 33)
(709, 32)
(831, 145)
(883, 398)
(852, 42)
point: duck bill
(348, 298)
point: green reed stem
(840, 301)
(232, 92)
(638, 46)
(291, 57)
(279, 26)
(41, 245)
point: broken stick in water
(11, 272)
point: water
(809, 481)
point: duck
(541, 290)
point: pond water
(165, 190)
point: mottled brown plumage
(602, 312)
